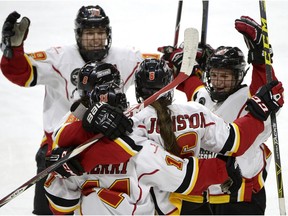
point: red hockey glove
(267, 99)
(71, 168)
(106, 119)
(13, 33)
(252, 33)
(174, 58)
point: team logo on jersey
(74, 76)
(38, 55)
(151, 75)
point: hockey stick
(191, 39)
(275, 140)
(204, 27)
(177, 27)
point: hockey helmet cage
(100, 81)
(89, 17)
(225, 57)
(150, 76)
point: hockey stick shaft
(205, 10)
(191, 39)
(178, 19)
(268, 66)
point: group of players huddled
(204, 156)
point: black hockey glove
(204, 51)
(269, 98)
(234, 182)
(13, 33)
(106, 119)
(252, 33)
(71, 168)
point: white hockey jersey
(124, 189)
(255, 162)
(152, 166)
(55, 68)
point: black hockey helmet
(98, 81)
(225, 57)
(89, 17)
(150, 76)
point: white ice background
(146, 24)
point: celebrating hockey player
(226, 95)
(189, 121)
(57, 68)
(95, 82)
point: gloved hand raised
(174, 57)
(252, 33)
(203, 53)
(71, 168)
(106, 119)
(13, 33)
(267, 99)
(234, 182)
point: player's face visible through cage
(222, 80)
(94, 39)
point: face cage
(222, 96)
(94, 55)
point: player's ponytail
(166, 125)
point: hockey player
(57, 68)
(191, 123)
(224, 73)
(95, 81)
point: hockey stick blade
(191, 39)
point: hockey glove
(269, 98)
(252, 33)
(106, 119)
(173, 56)
(13, 33)
(71, 168)
(234, 182)
(204, 51)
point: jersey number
(112, 195)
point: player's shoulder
(125, 52)
(189, 105)
(60, 50)
(147, 111)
